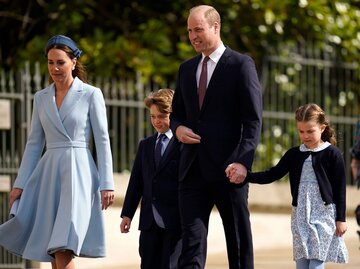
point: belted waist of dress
(67, 144)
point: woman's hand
(236, 172)
(14, 195)
(107, 199)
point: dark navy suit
(157, 188)
(229, 124)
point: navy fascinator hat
(63, 40)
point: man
(220, 131)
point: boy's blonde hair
(161, 98)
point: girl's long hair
(313, 112)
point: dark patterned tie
(158, 149)
(203, 81)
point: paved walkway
(271, 235)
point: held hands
(186, 135)
(236, 172)
(125, 225)
(341, 228)
(107, 199)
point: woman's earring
(73, 68)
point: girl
(318, 187)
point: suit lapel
(150, 149)
(169, 151)
(166, 155)
(74, 94)
(49, 104)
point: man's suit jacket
(157, 188)
(229, 121)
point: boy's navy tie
(158, 149)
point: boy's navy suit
(157, 188)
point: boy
(154, 180)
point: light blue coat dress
(60, 206)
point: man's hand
(125, 225)
(236, 172)
(186, 135)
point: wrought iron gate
(290, 79)
(306, 74)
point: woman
(60, 192)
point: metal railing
(288, 81)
